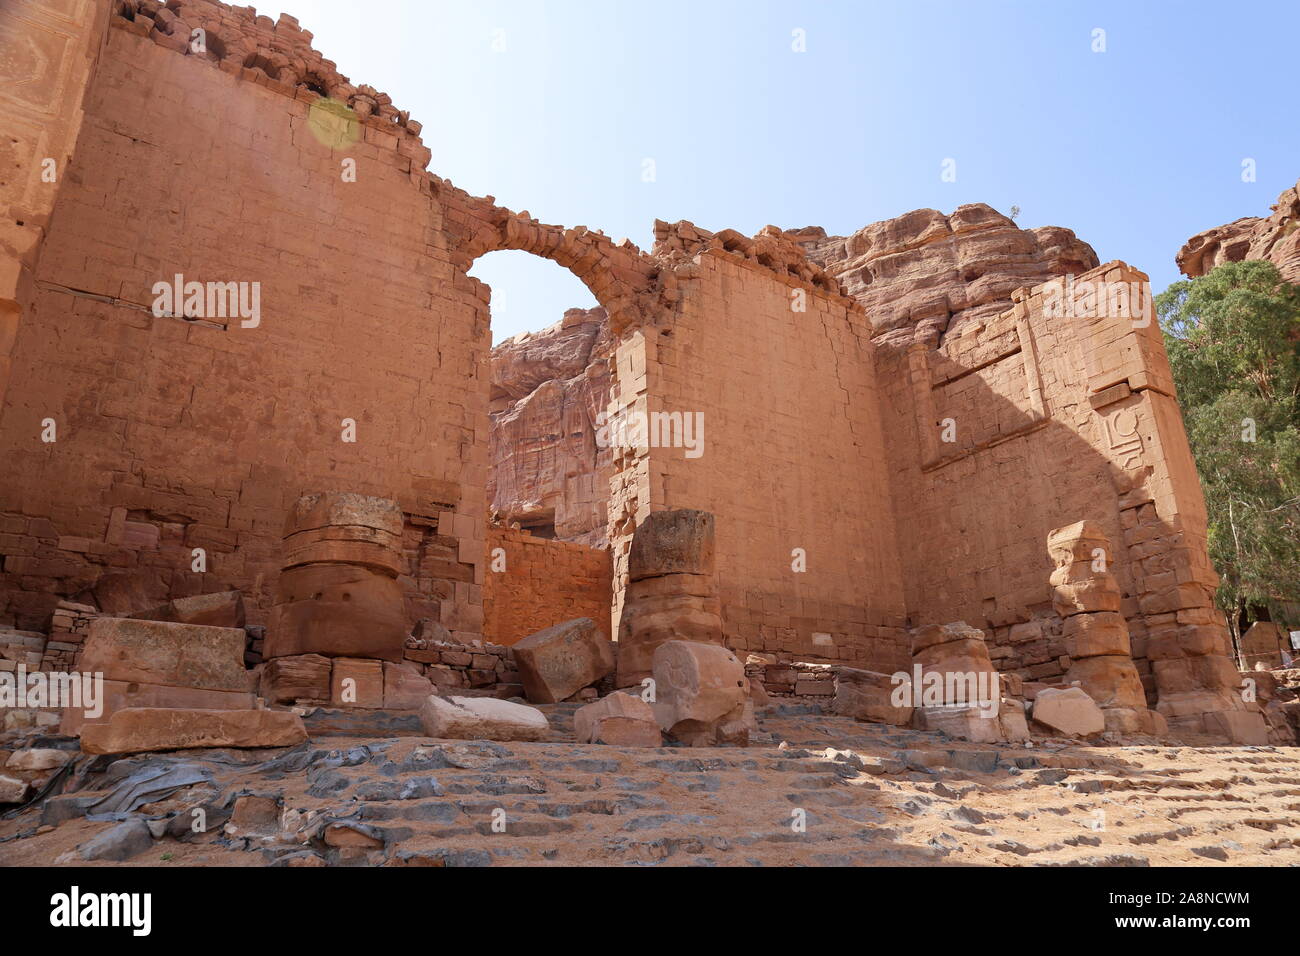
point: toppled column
(702, 695)
(956, 689)
(1087, 596)
(672, 591)
(338, 593)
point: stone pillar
(1086, 594)
(338, 593)
(957, 688)
(672, 591)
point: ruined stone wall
(792, 461)
(173, 433)
(533, 583)
(1053, 418)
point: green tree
(1233, 338)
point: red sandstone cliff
(924, 273)
(547, 389)
(1275, 238)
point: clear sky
(555, 106)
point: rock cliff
(1275, 238)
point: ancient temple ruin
(890, 423)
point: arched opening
(549, 387)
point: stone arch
(628, 284)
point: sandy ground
(811, 790)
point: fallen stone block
(1243, 727)
(481, 718)
(38, 758)
(556, 663)
(221, 609)
(13, 790)
(137, 730)
(977, 724)
(622, 720)
(160, 652)
(869, 696)
(702, 695)
(1071, 712)
(122, 842)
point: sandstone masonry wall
(543, 582)
(175, 434)
(792, 455)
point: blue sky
(1135, 148)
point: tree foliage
(1233, 338)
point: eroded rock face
(548, 389)
(1275, 238)
(923, 273)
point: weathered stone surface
(338, 610)
(867, 695)
(1275, 238)
(1110, 680)
(117, 843)
(405, 688)
(137, 730)
(301, 677)
(220, 609)
(673, 542)
(1263, 644)
(671, 607)
(956, 656)
(13, 790)
(335, 509)
(1071, 712)
(923, 273)
(622, 720)
(338, 594)
(977, 724)
(1094, 635)
(482, 718)
(119, 695)
(701, 694)
(556, 663)
(158, 652)
(357, 683)
(1245, 727)
(548, 394)
(38, 758)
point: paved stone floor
(812, 790)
